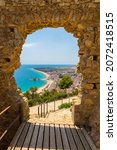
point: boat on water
(35, 79)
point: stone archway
(81, 18)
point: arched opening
(48, 56)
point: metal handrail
(1, 113)
(9, 127)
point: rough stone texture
(18, 18)
(24, 108)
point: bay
(26, 74)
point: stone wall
(88, 111)
(18, 18)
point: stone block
(88, 43)
(88, 86)
(81, 26)
(88, 102)
(97, 1)
(2, 2)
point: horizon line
(48, 64)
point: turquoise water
(25, 73)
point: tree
(65, 82)
(33, 91)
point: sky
(50, 46)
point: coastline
(46, 75)
(47, 85)
(49, 77)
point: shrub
(75, 92)
(65, 105)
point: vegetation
(65, 105)
(60, 76)
(33, 89)
(65, 82)
(74, 92)
(47, 96)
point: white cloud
(28, 45)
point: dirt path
(34, 109)
(63, 116)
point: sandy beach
(49, 82)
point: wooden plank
(82, 138)
(58, 138)
(34, 137)
(64, 138)
(70, 138)
(40, 137)
(46, 137)
(16, 137)
(76, 138)
(52, 137)
(92, 145)
(28, 138)
(22, 137)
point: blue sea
(26, 73)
